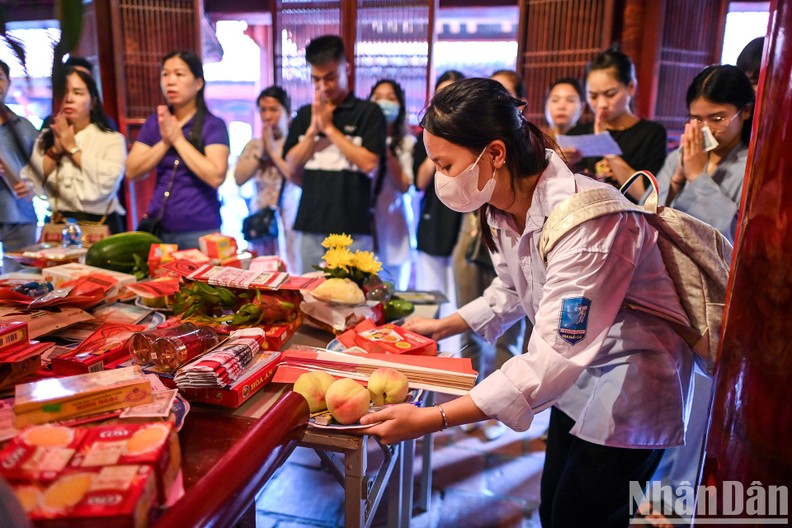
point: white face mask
(461, 193)
(390, 110)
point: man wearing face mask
(393, 180)
(333, 149)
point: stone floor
(475, 483)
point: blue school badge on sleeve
(574, 319)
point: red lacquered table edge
(228, 490)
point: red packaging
(253, 378)
(154, 444)
(394, 339)
(277, 335)
(160, 254)
(101, 350)
(267, 263)
(40, 452)
(193, 255)
(108, 497)
(18, 362)
(13, 334)
(217, 245)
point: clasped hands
(63, 134)
(170, 127)
(692, 156)
(321, 114)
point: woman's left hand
(402, 422)
(694, 158)
(170, 128)
(63, 133)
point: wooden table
(228, 456)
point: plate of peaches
(338, 404)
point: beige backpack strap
(579, 208)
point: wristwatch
(74, 150)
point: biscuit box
(53, 399)
(394, 339)
(57, 275)
(217, 246)
(13, 334)
(39, 452)
(107, 497)
(160, 254)
(155, 444)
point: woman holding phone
(188, 147)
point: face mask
(461, 193)
(389, 109)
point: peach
(313, 386)
(347, 400)
(387, 385)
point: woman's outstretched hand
(402, 422)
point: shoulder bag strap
(168, 190)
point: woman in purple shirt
(188, 147)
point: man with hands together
(333, 148)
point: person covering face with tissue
(704, 177)
(595, 362)
(391, 183)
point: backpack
(696, 256)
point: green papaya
(124, 252)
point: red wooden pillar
(750, 430)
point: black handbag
(261, 224)
(154, 225)
(264, 222)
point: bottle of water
(72, 234)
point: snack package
(389, 338)
(155, 444)
(108, 497)
(40, 452)
(53, 399)
(12, 334)
(160, 254)
(217, 246)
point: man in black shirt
(333, 149)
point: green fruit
(122, 252)
(397, 308)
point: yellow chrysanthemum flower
(338, 258)
(337, 241)
(366, 262)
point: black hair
(193, 61)
(75, 61)
(449, 75)
(472, 113)
(325, 49)
(5, 69)
(98, 116)
(724, 84)
(612, 58)
(516, 81)
(277, 93)
(397, 134)
(571, 81)
(750, 59)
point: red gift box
(108, 497)
(154, 444)
(252, 379)
(12, 334)
(103, 349)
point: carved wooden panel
(295, 23)
(690, 43)
(149, 29)
(392, 42)
(559, 38)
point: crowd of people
(488, 178)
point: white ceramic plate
(413, 397)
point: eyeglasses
(718, 122)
